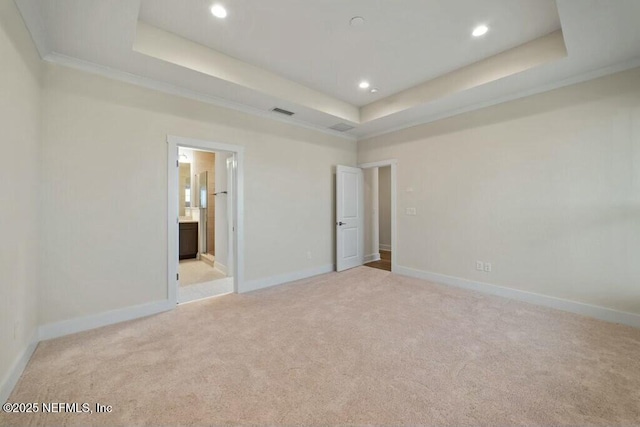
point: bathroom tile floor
(194, 271)
(199, 280)
(205, 290)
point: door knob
(342, 223)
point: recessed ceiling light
(364, 84)
(480, 30)
(374, 90)
(356, 21)
(218, 11)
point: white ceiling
(403, 43)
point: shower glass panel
(203, 191)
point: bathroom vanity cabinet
(188, 240)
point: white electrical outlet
(479, 265)
(411, 211)
(487, 267)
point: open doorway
(377, 196)
(360, 202)
(205, 235)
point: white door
(349, 217)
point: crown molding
(157, 85)
(34, 21)
(153, 84)
(580, 78)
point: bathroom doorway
(205, 240)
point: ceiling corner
(32, 16)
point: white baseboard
(66, 327)
(220, 267)
(384, 247)
(15, 371)
(207, 259)
(372, 257)
(71, 326)
(254, 285)
(602, 313)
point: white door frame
(230, 203)
(173, 209)
(394, 194)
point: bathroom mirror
(185, 188)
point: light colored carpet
(193, 271)
(359, 347)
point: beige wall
(20, 73)
(104, 245)
(384, 206)
(545, 188)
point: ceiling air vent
(281, 111)
(341, 127)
